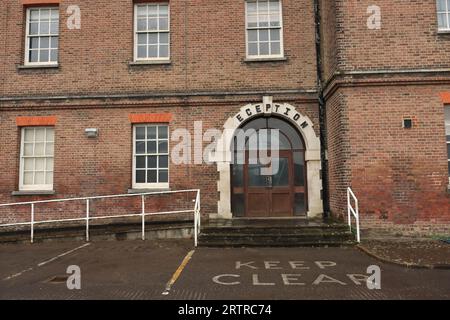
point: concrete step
(274, 238)
(337, 235)
(289, 233)
(278, 243)
(274, 230)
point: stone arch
(304, 126)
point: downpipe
(322, 111)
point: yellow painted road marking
(178, 272)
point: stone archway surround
(222, 157)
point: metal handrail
(88, 218)
(197, 219)
(354, 212)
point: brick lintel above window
(445, 96)
(150, 118)
(36, 121)
(39, 2)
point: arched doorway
(289, 113)
(268, 174)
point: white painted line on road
(18, 274)
(46, 262)
(62, 254)
(177, 273)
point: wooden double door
(270, 190)
(272, 185)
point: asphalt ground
(175, 270)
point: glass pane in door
(255, 176)
(238, 202)
(238, 175)
(299, 168)
(300, 207)
(280, 169)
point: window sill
(279, 59)
(150, 62)
(131, 191)
(33, 193)
(443, 31)
(43, 66)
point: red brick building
(356, 89)
(376, 82)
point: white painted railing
(197, 218)
(88, 217)
(353, 211)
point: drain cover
(58, 279)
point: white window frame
(34, 187)
(152, 185)
(447, 13)
(281, 55)
(135, 44)
(28, 36)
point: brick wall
(329, 32)
(207, 51)
(408, 37)
(400, 176)
(338, 141)
(207, 55)
(102, 166)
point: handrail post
(197, 217)
(358, 237)
(354, 212)
(199, 213)
(32, 223)
(143, 217)
(87, 220)
(348, 209)
(195, 228)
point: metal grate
(58, 279)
